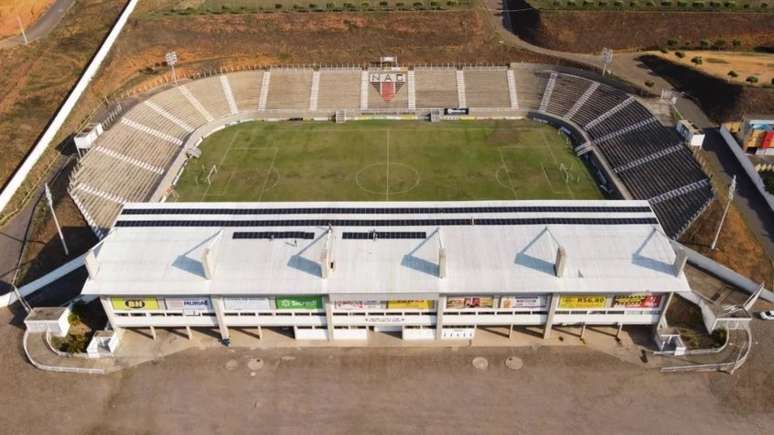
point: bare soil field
(590, 31)
(720, 64)
(719, 99)
(27, 10)
(35, 79)
(385, 391)
(737, 247)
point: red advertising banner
(637, 301)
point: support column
(440, 306)
(329, 316)
(217, 303)
(664, 308)
(188, 331)
(550, 318)
(153, 332)
(111, 315)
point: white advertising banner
(360, 305)
(189, 304)
(527, 301)
(248, 304)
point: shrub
(752, 79)
(715, 4)
(705, 43)
(733, 73)
(679, 54)
(571, 3)
(602, 4)
(451, 3)
(666, 4)
(330, 5)
(720, 43)
(649, 83)
(763, 5)
(697, 60)
(278, 6)
(768, 181)
(434, 5)
(618, 3)
(557, 3)
(682, 4)
(736, 43)
(365, 5)
(698, 4)
(672, 42)
(663, 50)
(419, 5)
(383, 4)
(730, 5)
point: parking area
(385, 390)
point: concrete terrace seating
(246, 87)
(129, 160)
(603, 99)
(675, 214)
(289, 89)
(530, 86)
(487, 87)
(209, 93)
(339, 89)
(436, 87)
(567, 91)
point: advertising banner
(360, 305)
(417, 304)
(299, 302)
(189, 304)
(536, 301)
(637, 301)
(135, 303)
(470, 302)
(248, 304)
(582, 302)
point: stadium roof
(385, 248)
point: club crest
(387, 84)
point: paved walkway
(42, 26)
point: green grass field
(386, 160)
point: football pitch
(385, 161)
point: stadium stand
(436, 87)
(246, 87)
(289, 89)
(486, 88)
(130, 159)
(339, 89)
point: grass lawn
(386, 160)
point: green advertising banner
(299, 302)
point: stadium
(246, 199)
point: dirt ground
(590, 31)
(719, 63)
(385, 390)
(736, 248)
(27, 10)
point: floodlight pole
(56, 221)
(731, 190)
(171, 59)
(24, 33)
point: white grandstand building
(430, 270)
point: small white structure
(692, 135)
(104, 343)
(86, 138)
(53, 320)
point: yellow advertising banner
(135, 303)
(417, 304)
(582, 301)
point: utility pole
(731, 190)
(171, 58)
(50, 201)
(21, 26)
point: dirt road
(395, 390)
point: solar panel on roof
(393, 235)
(272, 235)
(388, 222)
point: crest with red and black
(388, 84)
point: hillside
(590, 31)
